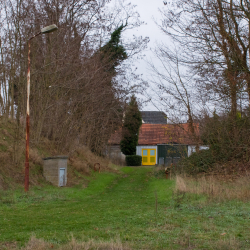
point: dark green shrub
(198, 162)
(131, 126)
(133, 160)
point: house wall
(171, 153)
(139, 150)
(187, 150)
(115, 154)
(192, 149)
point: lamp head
(49, 29)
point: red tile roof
(153, 134)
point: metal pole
(47, 29)
(26, 178)
(26, 181)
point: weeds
(41, 244)
(214, 188)
(178, 197)
(227, 244)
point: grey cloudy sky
(149, 13)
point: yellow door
(148, 156)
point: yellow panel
(148, 156)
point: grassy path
(124, 206)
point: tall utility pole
(47, 29)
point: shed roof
(153, 134)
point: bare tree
(174, 89)
(74, 99)
(214, 35)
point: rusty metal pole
(26, 181)
(26, 178)
(47, 29)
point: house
(148, 117)
(164, 143)
(159, 142)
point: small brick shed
(55, 170)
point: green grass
(137, 205)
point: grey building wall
(115, 154)
(51, 169)
(192, 149)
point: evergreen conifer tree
(114, 51)
(131, 126)
(110, 55)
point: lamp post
(45, 30)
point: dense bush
(133, 160)
(228, 137)
(197, 163)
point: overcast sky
(149, 12)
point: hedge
(133, 160)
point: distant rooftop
(154, 117)
(154, 134)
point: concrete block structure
(55, 170)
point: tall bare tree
(215, 38)
(74, 99)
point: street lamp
(45, 30)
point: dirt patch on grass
(8, 246)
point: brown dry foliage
(229, 244)
(83, 160)
(40, 244)
(74, 93)
(12, 159)
(79, 165)
(35, 157)
(214, 187)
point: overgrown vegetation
(80, 165)
(201, 162)
(227, 137)
(228, 141)
(133, 209)
(76, 97)
(206, 66)
(215, 188)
